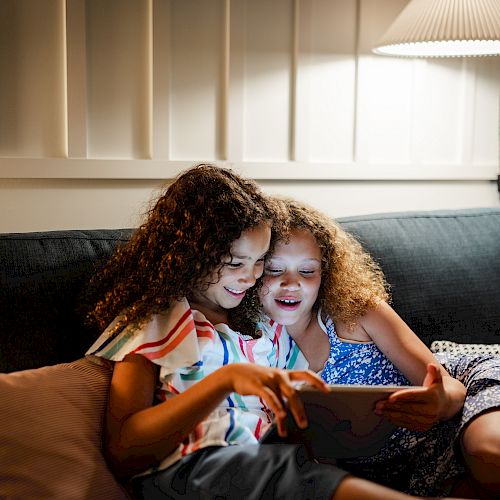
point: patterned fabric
(187, 347)
(428, 463)
(357, 362)
(419, 463)
(456, 348)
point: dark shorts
(266, 471)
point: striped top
(187, 347)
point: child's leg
(255, 472)
(480, 445)
(353, 487)
(480, 428)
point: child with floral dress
(327, 293)
(190, 395)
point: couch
(443, 268)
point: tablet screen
(342, 423)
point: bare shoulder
(384, 325)
(381, 316)
(375, 319)
(351, 333)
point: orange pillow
(50, 433)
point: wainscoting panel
(278, 89)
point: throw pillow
(455, 348)
(50, 436)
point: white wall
(101, 102)
(41, 204)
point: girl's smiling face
(237, 275)
(292, 278)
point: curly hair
(183, 241)
(351, 281)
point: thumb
(433, 375)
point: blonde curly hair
(351, 281)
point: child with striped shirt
(190, 396)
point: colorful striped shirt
(187, 347)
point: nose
(290, 281)
(250, 276)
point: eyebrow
(246, 257)
(305, 260)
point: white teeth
(289, 301)
(234, 291)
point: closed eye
(273, 270)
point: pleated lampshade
(444, 28)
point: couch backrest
(42, 278)
(443, 266)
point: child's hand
(417, 409)
(276, 389)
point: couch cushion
(51, 433)
(443, 268)
(42, 277)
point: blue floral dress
(419, 463)
(357, 362)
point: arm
(442, 397)
(138, 434)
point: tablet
(342, 422)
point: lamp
(444, 28)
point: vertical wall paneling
(279, 89)
(385, 85)
(486, 112)
(236, 74)
(294, 54)
(303, 13)
(64, 132)
(148, 85)
(466, 113)
(76, 78)
(438, 92)
(33, 79)
(384, 113)
(266, 92)
(222, 115)
(357, 36)
(327, 81)
(118, 79)
(197, 39)
(161, 79)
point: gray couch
(443, 267)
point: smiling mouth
(288, 304)
(235, 293)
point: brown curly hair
(351, 281)
(186, 236)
